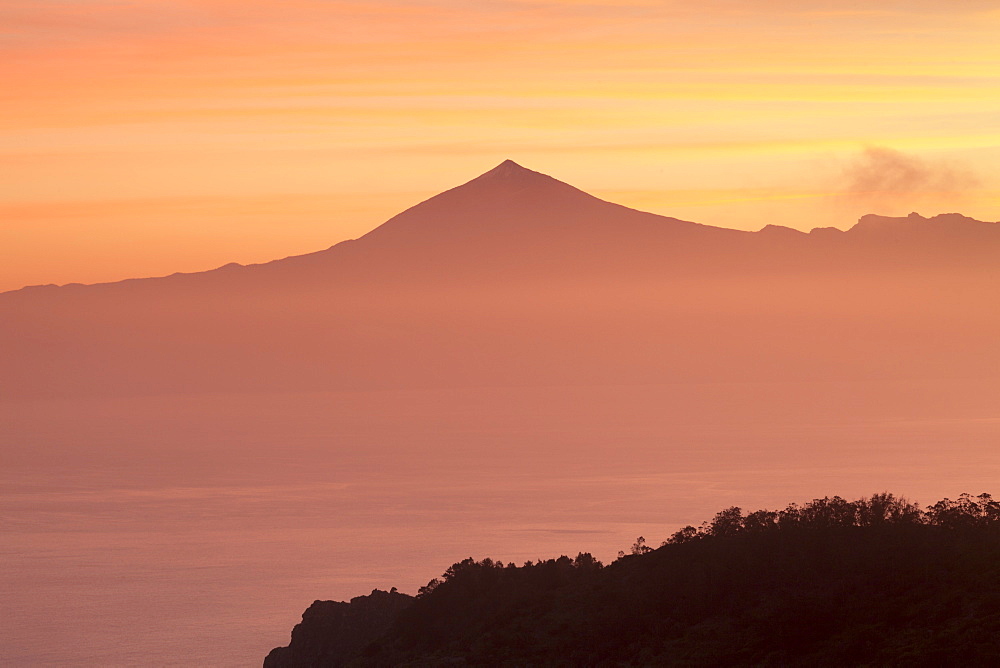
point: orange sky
(142, 137)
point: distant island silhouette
(875, 581)
(515, 277)
(511, 217)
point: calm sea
(195, 530)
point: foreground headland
(877, 581)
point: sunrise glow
(151, 136)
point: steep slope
(332, 629)
(514, 219)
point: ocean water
(195, 530)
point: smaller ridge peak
(771, 228)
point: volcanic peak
(508, 169)
(510, 176)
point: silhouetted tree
(640, 547)
(760, 520)
(585, 561)
(684, 535)
(429, 587)
(728, 522)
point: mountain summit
(508, 169)
(514, 179)
(510, 175)
(514, 211)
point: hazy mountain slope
(518, 278)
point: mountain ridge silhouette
(514, 211)
(516, 278)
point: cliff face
(330, 631)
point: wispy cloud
(884, 172)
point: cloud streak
(884, 172)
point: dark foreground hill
(871, 582)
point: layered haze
(513, 368)
(518, 278)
